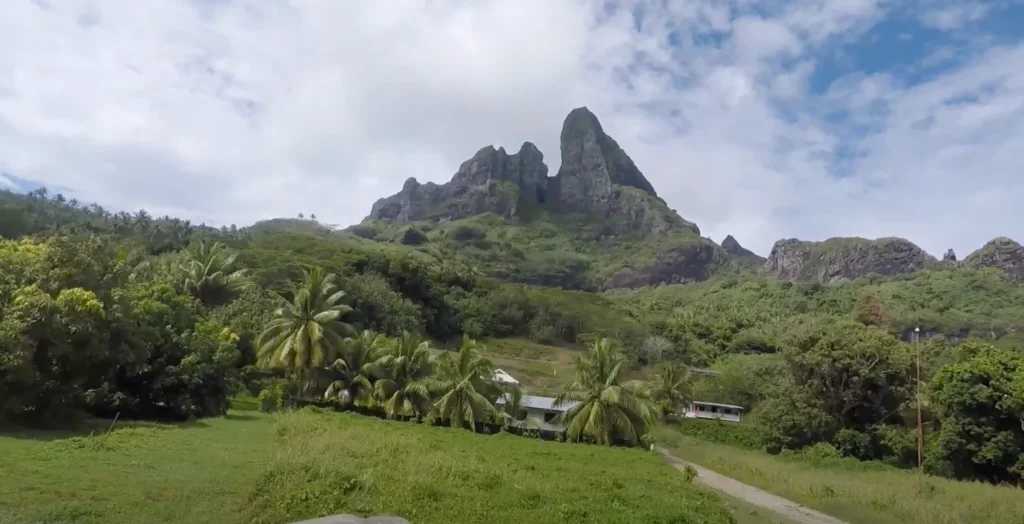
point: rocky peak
(491, 181)
(950, 256)
(592, 162)
(838, 259)
(1001, 253)
(596, 177)
(733, 247)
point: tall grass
(327, 463)
(858, 492)
(254, 468)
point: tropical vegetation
(126, 315)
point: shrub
(468, 234)
(413, 237)
(721, 432)
(821, 451)
(689, 473)
(271, 398)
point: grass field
(253, 468)
(541, 369)
(860, 493)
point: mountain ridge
(600, 199)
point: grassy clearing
(860, 493)
(541, 369)
(252, 468)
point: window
(548, 417)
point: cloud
(231, 111)
(957, 15)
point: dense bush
(79, 333)
(738, 435)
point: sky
(762, 119)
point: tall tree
(979, 399)
(607, 407)
(352, 370)
(404, 369)
(307, 330)
(210, 275)
(672, 388)
(464, 384)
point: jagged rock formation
(596, 177)
(733, 247)
(950, 256)
(492, 181)
(1001, 253)
(592, 163)
(843, 259)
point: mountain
(599, 223)
(595, 178)
(1000, 253)
(733, 247)
(844, 258)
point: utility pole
(920, 432)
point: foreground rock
(847, 258)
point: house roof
(541, 403)
(501, 376)
(716, 404)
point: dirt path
(785, 508)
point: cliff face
(843, 259)
(592, 165)
(1001, 253)
(596, 177)
(492, 181)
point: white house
(713, 410)
(541, 411)
(501, 376)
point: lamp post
(920, 432)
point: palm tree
(210, 275)
(606, 407)
(464, 385)
(404, 369)
(142, 221)
(512, 412)
(308, 330)
(353, 370)
(672, 388)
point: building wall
(536, 417)
(728, 416)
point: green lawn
(860, 493)
(252, 468)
